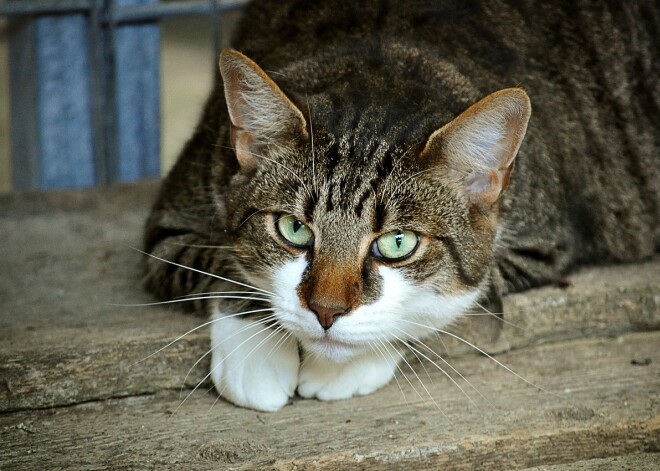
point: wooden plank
(597, 405)
(636, 462)
(67, 258)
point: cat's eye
(294, 231)
(395, 245)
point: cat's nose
(326, 314)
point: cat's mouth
(332, 348)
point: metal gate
(84, 87)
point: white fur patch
(349, 359)
(330, 381)
(250, 364)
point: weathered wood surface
(597, 405)
(68, 259)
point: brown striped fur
(378, 85)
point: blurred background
(187, 67)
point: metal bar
(137, 94)
(109, 98)
(23, 105)
(98, 86)
(146, 12)
(50, 103)
(43, 7)
(217, 39)
(62, 72)
(122, 15)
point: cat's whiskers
(381, 341)
(267, 208)
(276, 163)
(483, 352)
(243, 313)
(385, 341)
(417, 352)
(191, 297)
(422, 344)
(377, 350)
(400, 185)
(197, 246)
(403, 357)
(262, 320)
(311, 135)
(249, 293)
(388, 179)
(213, 275)
(498, 316)
(219, 363)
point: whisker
(188, 298)
(403, 183)
(267, 208)
(403, 357)
(375, 347)
(497, 316)
(388, 180)
(281, 341)
(199, 327)
(419, 342)
(276, 163)
(382, 341)
(311, 134)
(204, 273)
(483, 352)
(242, 329)
(221, 292)
(218, 365)
(416, 351)
(197, 246)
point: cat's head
(370, 240)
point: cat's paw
(329, 381)
(252, 367)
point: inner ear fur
(477, 149)
(261, 114)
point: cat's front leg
(328, 380)
(252, 365)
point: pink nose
(327, 314)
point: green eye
(294, 230)
(395, 245)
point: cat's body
(361, 151)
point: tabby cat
(351, 183)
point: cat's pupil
(398, 238)
(297, 224)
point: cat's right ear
(262, 116)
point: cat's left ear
(477, 149)
(262, 116)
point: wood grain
(596, 404)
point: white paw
(250, 365)
(329, 381)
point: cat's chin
(332, 350)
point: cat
(350, 185)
